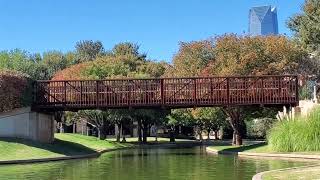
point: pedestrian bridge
(73, 95)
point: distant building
(263, 21)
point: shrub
(300, 134)
(258, 128)
(15, 90)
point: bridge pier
(27, 124)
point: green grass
(299, 173)
(64, 145)
(90, 142)
(298, 135)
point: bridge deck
(166, 92)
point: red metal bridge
(73, 95)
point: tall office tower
(263, 21)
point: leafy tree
(54, 61)
(100, 119)
(306, 26)
(120, 117)
(127, 48)
(210, 119)
(19, 60)
(123, 61)
(244, 55)
(192, 58)
(146, 118)
(155, 69)
(178, 117)
(88, 50)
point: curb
(27, 161)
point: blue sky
(156, 25)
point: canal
(149, 164)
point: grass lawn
(300, 173)
(64, 145)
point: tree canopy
(306, 26)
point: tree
(124, 60)
(54, 61)
(306, 26)
(120, 117)
(178, 117)
(245, 55)
(21, 61)
(146, 118)
(192, 58)
(88, 50)
(100, 119)
(210, 119)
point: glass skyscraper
(263, 20)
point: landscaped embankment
(72, 146)
(65, 146)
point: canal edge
(259, 175)
(98, 153)
(288, 156)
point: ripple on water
(155, 164)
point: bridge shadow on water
(58, 146)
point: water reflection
(137, 164)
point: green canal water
(148, 164)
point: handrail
(200, 77)
(167, 92)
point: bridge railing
(166, 92)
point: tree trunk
(216, 135)
(123, 134)
(172, 136)
(102, 133)
(208, 138)
(238, 139)
(118, 132)
(200, 135)
(139, 131)
(145, 133)
(236, 123)
(234, 138)
(156, 138)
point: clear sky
(156, 25)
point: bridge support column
(24, 123)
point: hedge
(15, 90)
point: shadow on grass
(58, 146)
(242, 148)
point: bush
(258, 128)
(15, 90)
(300, 134)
